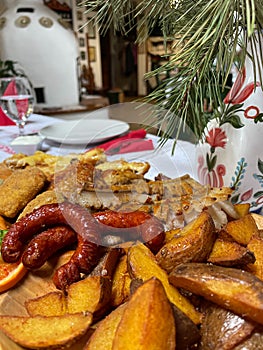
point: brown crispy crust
(20, 188)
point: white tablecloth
(161, 159)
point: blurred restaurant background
(70, 65)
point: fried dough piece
(50, 164)
(45, 162)
(19, 189)
(83, 175)
(5, 172)
(139, 168)
(43, 198)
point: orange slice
(10, 274)
(3, 223)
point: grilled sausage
(81, 261)
(88, 228)
(46, 243)
(133, 225)
(77, 217)
(88, 251)
(24, 229)
(66, 274)
(138, 224)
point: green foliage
(260, 165)
(2, 234)
(207, 33)
(8, 69)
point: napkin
(4, 120)
(134, 141)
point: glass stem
(21, 129)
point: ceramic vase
(231, 156)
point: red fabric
(132, 142)
(131, 145)
(22, 105)
(11, 89)
(4, 120)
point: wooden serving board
(34, 284)
(38, 283)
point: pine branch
(207, 33)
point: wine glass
(16, 100)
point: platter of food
(84, 131)
(111, 257)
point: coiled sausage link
(81, 261)
(140, 224)
(137, 224)
(46, 243)
(74, 215)
(88, 228)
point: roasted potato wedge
(255, 245)
(243, 229)
(170, 234)
(92, 294)
(143, 265)
(221, 329)
(141, 326)
(104, 334)
(107, 264)
(236, 290)
(242, 209)
(226, 253)
(121, 283)
(259, 220)
(254, 342)
(50, 304)
(42, 332)
(194, 243)
(187, 333)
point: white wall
(49, 55)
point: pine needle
(208, 34)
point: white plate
(84, 131)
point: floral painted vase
(232, 152)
